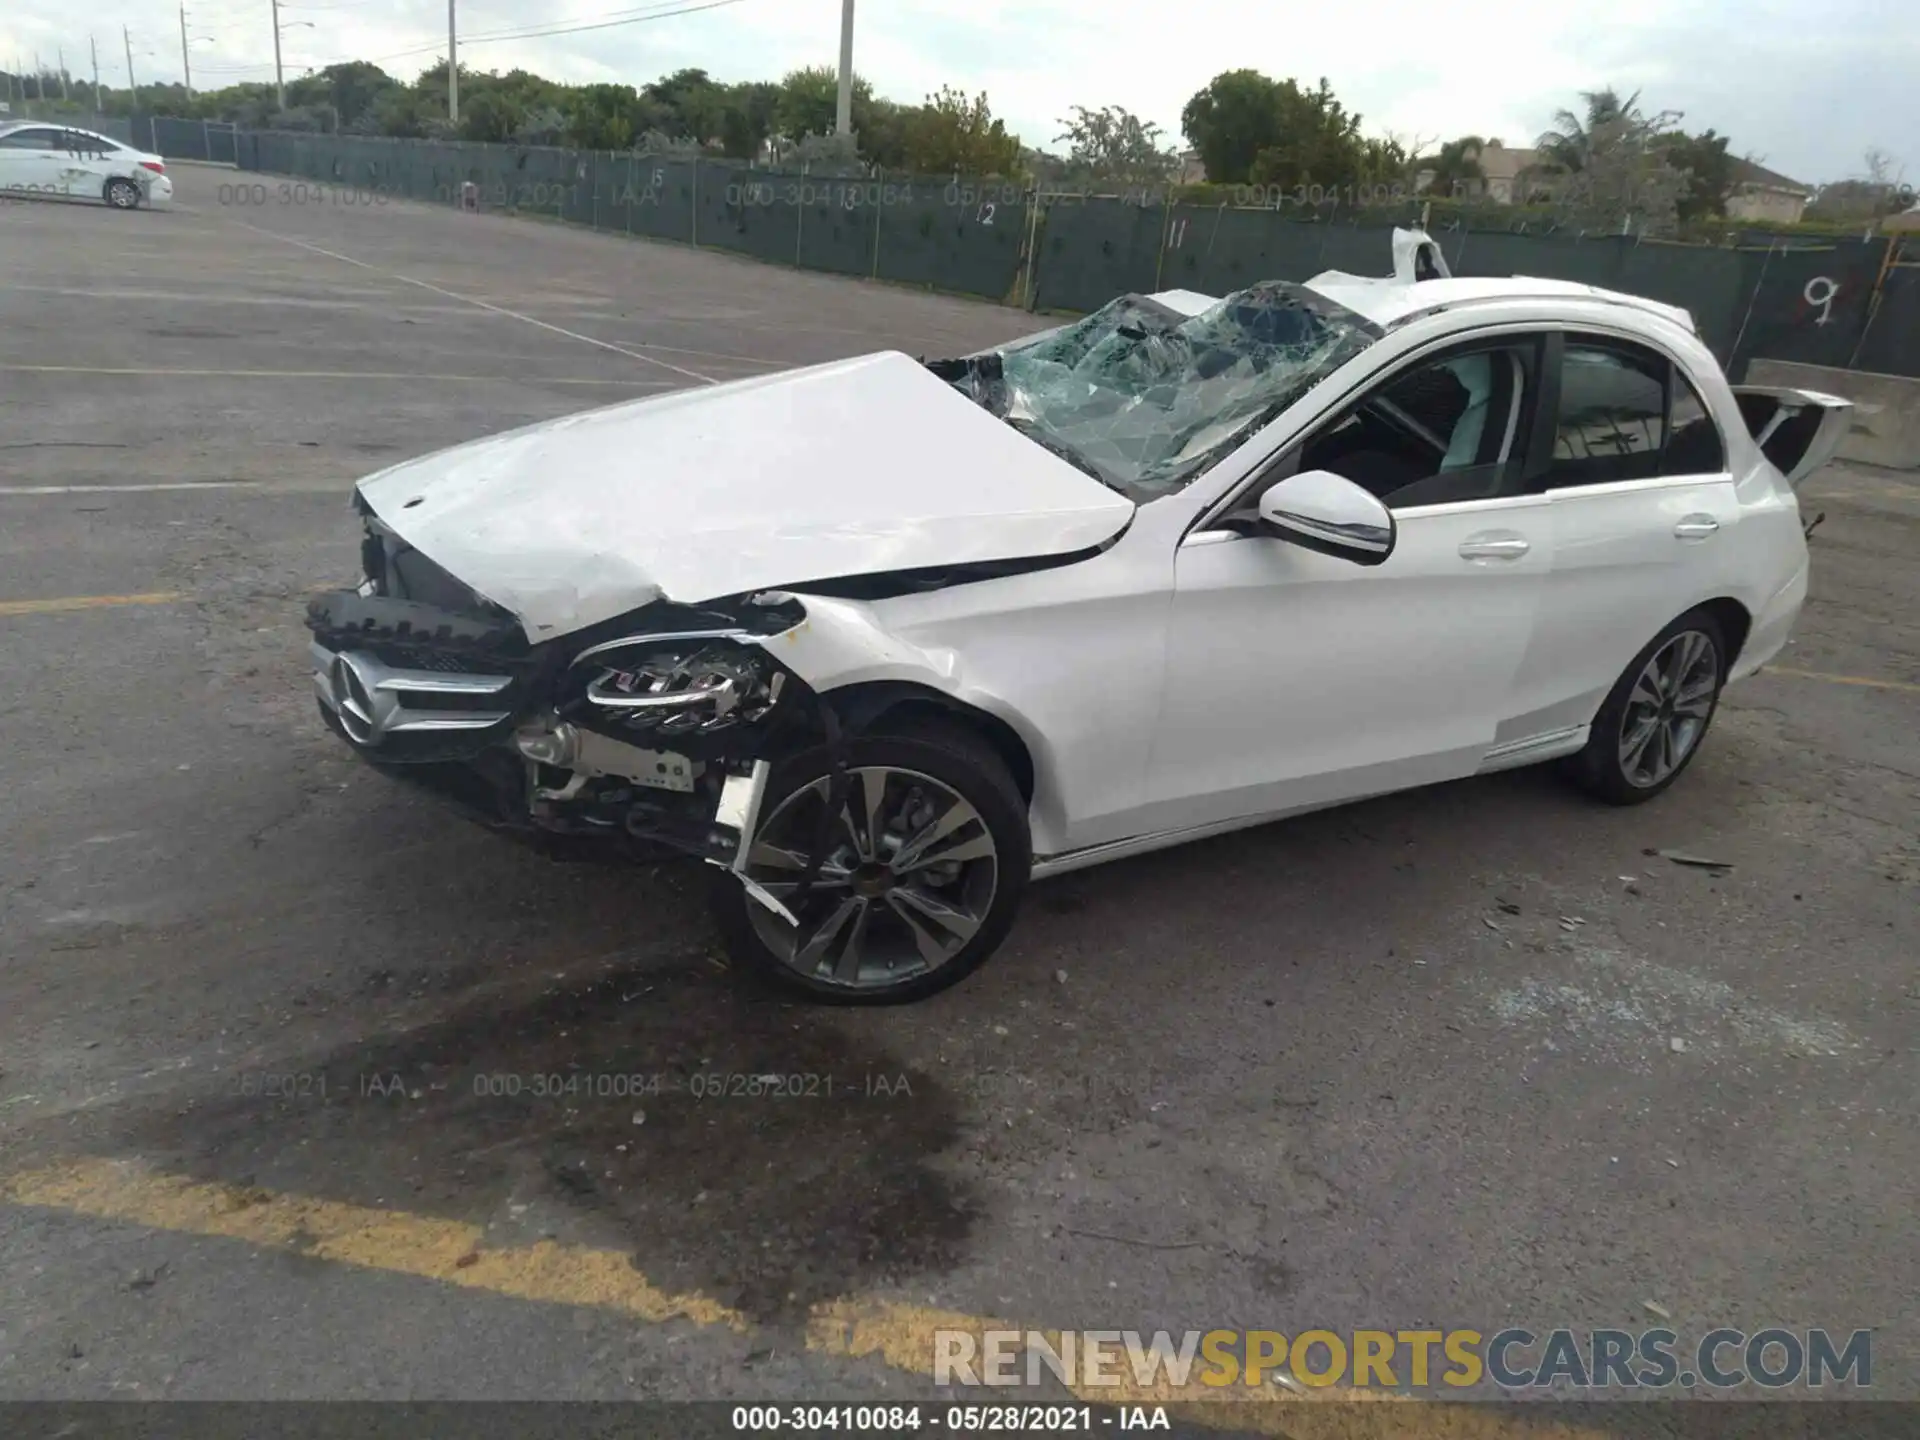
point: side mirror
(1329, 513)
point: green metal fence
(1825, 302)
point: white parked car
(59, 162)
(884, 639)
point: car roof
(1388, 302)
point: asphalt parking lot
(1470, 1056)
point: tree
(690, 103)
(1608, 170)
(1317, 141)
(1230, 122)
(747, 118)
(1456, 172)
(883, 135)
(810, 99)
(1112, 143)
(1251, 129)
(606, 117)
(1709, 172)
(952, 135)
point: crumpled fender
(841, 643)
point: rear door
(87, 163)
(1643, 508)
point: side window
(1694, 446)
(38, 138)
(1612, 419)
(78, 142)
(1444, 429)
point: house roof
(1745, 172)
(1502, 162)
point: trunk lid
(1798, 430)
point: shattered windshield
(1145, 398)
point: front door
(31, 161)
(1297, 679)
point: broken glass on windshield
(1145, 398)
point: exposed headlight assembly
(690, 684)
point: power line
(488, 38)
(664, 10)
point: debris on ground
(1677, 1045)
(146, 1279)
(1657, 1310)
(1698, 862)
(1060, 976)
(1507, 907)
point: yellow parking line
(86, 602)
(899, 1336)
(433, 1249)
(337, 375)
(1865, 680)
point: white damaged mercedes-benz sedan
(886, 638)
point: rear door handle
(1696, 527)
(1494, 545)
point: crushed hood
(851, 468)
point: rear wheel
(122, 194)
(924, 864)
(1653, 721)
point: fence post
(1029, 294)
(879, 208)
(693, 221)
(800, 213)
(1166, 226)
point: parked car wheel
(927, 859)
(1652, 723)
(123, 194)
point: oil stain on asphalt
(735, 1146)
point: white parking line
(121, 489)
(480, 304)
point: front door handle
(1494, 545)
(1696, 527)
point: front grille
(379, 705)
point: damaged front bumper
(661, 728)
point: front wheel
(1653, 721)
(924, 863)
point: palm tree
(1570, 144)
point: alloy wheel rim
(1668, 708)
(909, 877)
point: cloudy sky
(1805, 89)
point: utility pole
(279, 77)
(453, 68)
(62, 61)
(39, 78)
(93, 48)
(186, 64)
(133, 85)
(843, 114)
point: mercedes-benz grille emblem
(364, 711)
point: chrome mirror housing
(1322, 511)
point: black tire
(954, 757)
(122, 194)
(1600, 769)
